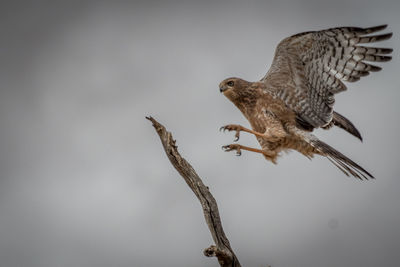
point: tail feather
(342, 122)
(345, 164)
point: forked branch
(222, 249)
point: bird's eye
(230, 83)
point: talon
(237, 136)
(232, 127)
(227, 148)
(224, 128)
(233, 147)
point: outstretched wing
(309, 68)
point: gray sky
(84, 180)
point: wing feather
(309, 68)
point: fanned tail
(346, 165)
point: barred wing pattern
(309, 68)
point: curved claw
(226, 127)
(237, 136)
(226, 148)
(238, 153)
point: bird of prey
(297, 94)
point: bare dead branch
(222, 249)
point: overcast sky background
(85, 182)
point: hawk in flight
(297, 94)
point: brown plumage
(297, 94)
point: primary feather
(310, 68)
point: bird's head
(234, 88)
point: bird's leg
(239, 148)
(271, 156)
(238, 128)
(272, 137)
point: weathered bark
(222, 249)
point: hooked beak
(222, 88)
